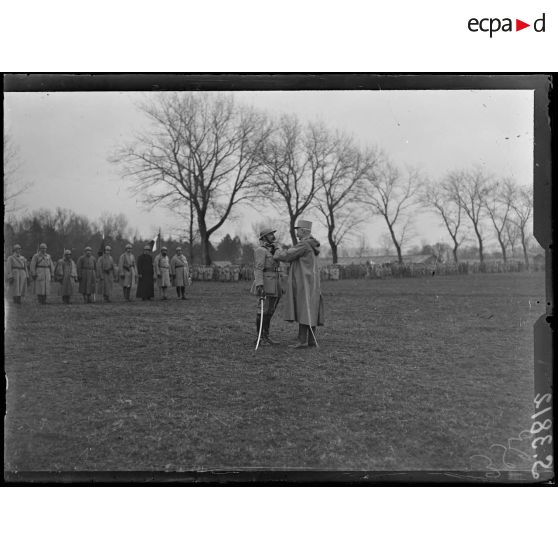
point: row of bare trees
(204, 155)
(471, 200)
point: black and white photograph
(335, 278)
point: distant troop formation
(299, 286)
(91, 276)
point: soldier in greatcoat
(145, 275)
(16, 274)
(87, 277)
(304, 303)
(180, 273)
(106, 273)
(161, 271)
(42, 270)
(127, 271)
(65, 273)
(267, 284)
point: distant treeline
(64, 229)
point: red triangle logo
(519, 25)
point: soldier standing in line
(42, 270)
(106, 273)
(86, 266)
(127, 270)
(65, 273)
(180, 273)
(266, 283)
(161, 269)
(16, 274)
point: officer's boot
(177, 292)
(302, 340)
(40, 299)
(183, 293)
(18, 299)
(15, 299)
(265, 331)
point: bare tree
(290, 169)
(470, 190)
(511, 235)
(14, 187)
(498, 204)
(522, 209)
(113, 226)
(440, 197)
(341, 167)
(201, 151)
(391, 194)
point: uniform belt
(45, 266)
(271, 269)
(178, 266)
(14, 267)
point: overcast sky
(65, 139)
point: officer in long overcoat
(127, 271)
(42, 270)
(66, 274)
(303, 299)
(161, 272)
(106, 273)
(16, 274)
(267, 284)
(180, 273)
(86, 271)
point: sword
(262, 298)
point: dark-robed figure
(144, 264)
(303, 299)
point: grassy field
(411, 374)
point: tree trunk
(204, 240)
(333, 246)
(191, 232)
(292, 230)
(524, 244)
(395, 243)
(503, 248)
(455, 254)
(479, 238)
(331, 239)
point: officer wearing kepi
(267, 284)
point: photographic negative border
(544, 175)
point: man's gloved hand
(260, 291)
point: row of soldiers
(300, 286)
(97, 275)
